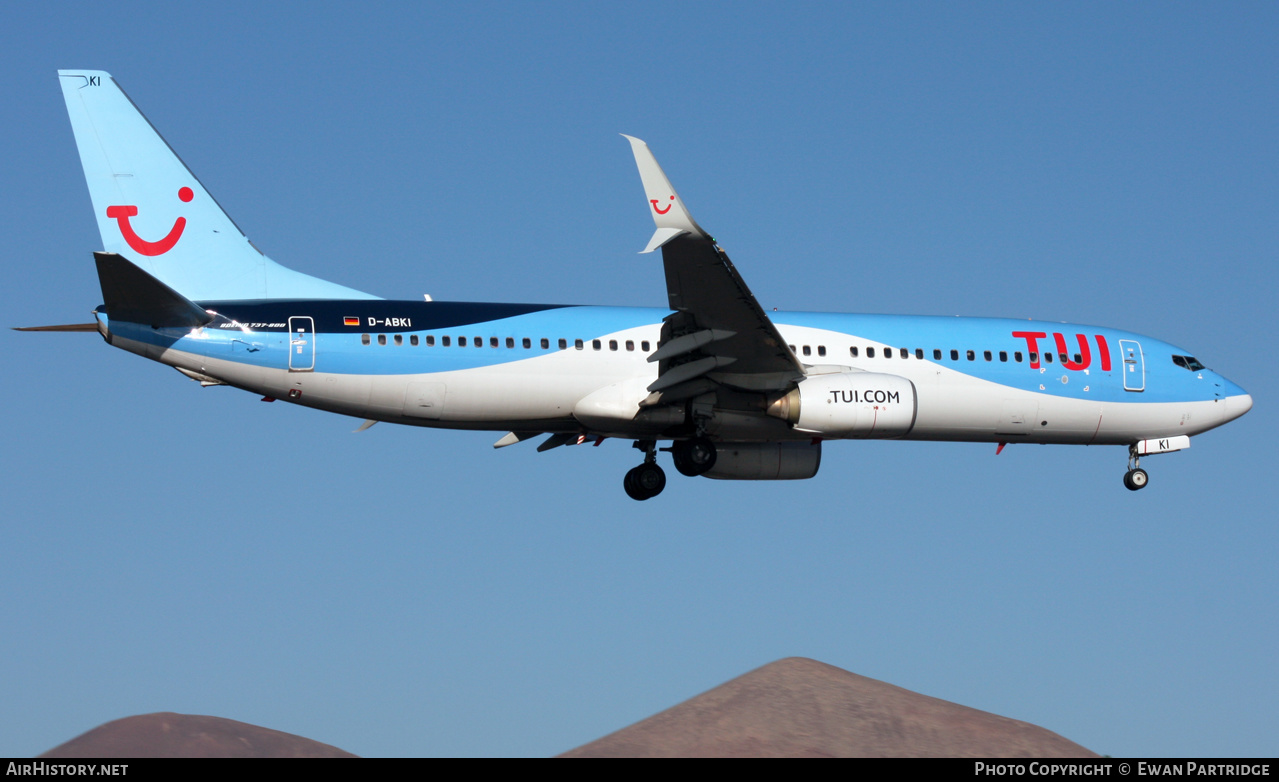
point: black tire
(650, 480)
(644, 482)
(1136, 479)
(694, 457)
(632, 488)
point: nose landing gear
(1136, 478)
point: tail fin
(151, 208)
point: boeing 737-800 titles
(736, 392)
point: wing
(718, 335)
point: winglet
(668, 210)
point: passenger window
(545, 343)
(808, 351)
(644, 346)
(381, 339)
(399, 339)
(1048, 357)
(986, 355)
(479, 342)
(905, 353)
(936, 354)
(563, 344)
(972, 355)
(1017, 357)
(888, 352)
(821, 350)
(919, 353)
(954, 355)
(1003, 356)
(579, 344)
(630, 344)
(1034, 358)
(612, 344)
(792, 348)
(364, 339)
(595, 344)
(853, 351)
(1078, 359)
(413, 340)
(870, 352)
(493, 342)
(461, 342)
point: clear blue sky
(409, 592)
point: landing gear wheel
(1136, 479)
(694, 457)
(644, 482)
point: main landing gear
(692, 457)
(647, 480)
(1136, 478)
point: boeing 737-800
(737, 393)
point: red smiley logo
(653, 201)
(121, 214)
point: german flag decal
(350, 321)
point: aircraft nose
(1237, 405)
(1237, 400)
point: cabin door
(301, 344)
(1134, 365)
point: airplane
(737, 392)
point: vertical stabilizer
(152, 209)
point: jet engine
(849, 405)
(785, 461)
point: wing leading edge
(718, 334)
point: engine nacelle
(785, 461)
(850, 405)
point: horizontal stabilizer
(133, 296)
(68, 327)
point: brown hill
(798, 707)
(169, 735)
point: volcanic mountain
(169, 735)
(798, 707)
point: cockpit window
(1188, 362)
